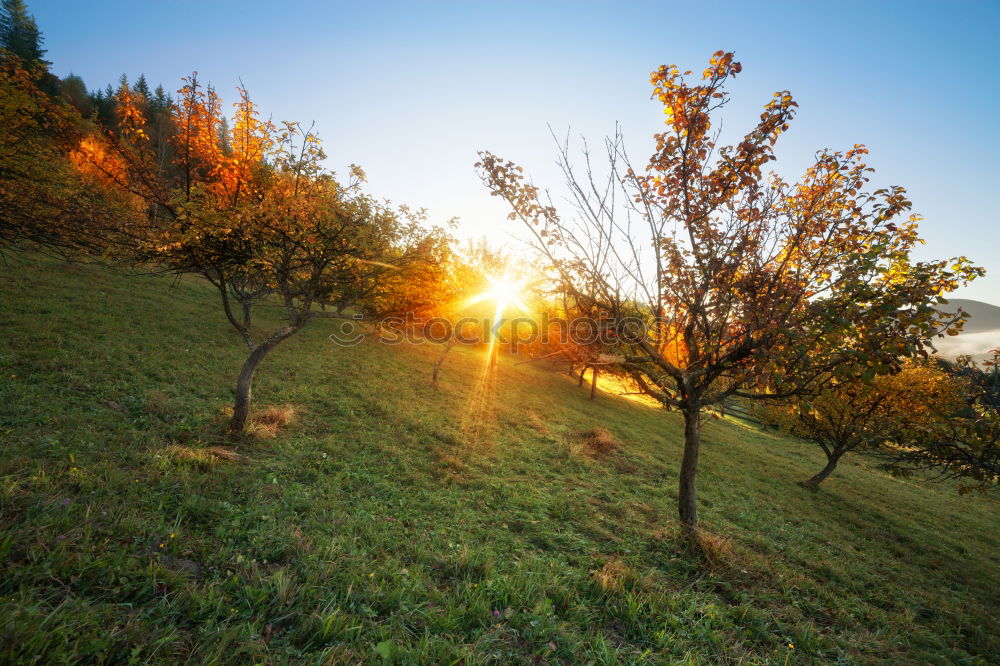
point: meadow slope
(394, 522)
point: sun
(503, 291)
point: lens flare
(503, 291)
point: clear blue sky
(412, 90)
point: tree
(43, 201)
(261, 221)
(161, 101)
(19, 33)
(74, 90)
(142, 87)
(581, 334)
(963, 445)
(853, 415)
(747, 285)
(103, 103)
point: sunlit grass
(378, 521)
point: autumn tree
(747, 285)
(261, 220)
(580, 334)
(963, 445)
(852, 415)
(43, 201)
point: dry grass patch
(209, 455)
(266, 422)
(596, 443)
(613, 575)
(274, 415)
(715, 550)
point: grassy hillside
(393, 522)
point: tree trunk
(831, 463)
(583, 371)
(241, 407)
(687, 504)
(593, 382)
(437, 366)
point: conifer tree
(142, 87)
(19, 33)
(161, 100)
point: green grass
(396, 522)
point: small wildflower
(371, 575)
(791, 646)
(161, 545)
(496, 613)
(172, 535)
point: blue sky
(412, 90)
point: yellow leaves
(898, 273)
(132, 120)
(197, 116)
(92, 158)
(357, 173)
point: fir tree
(19, 33)
(161, 101)
(142, 87)
(104, 106)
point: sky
(411, 91)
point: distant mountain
(980, 334)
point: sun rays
(505, 293)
